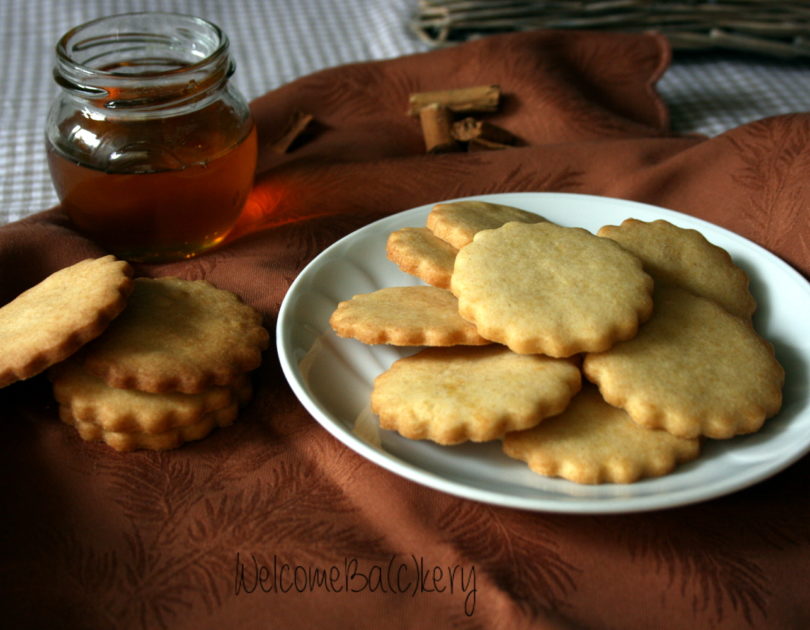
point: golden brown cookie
(458, 222)
(693, 369)
(418, 252)
(172, 438)
(592, 442)
(52, 319)
(543, 288)
(686, 259)
(405, 316)
(452, 395)
(90, 399)
(178, 336)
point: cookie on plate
(52, 319)
(405, 316)
(90, 399)
(457, 222)
(592, 442)
(418, 252)
(178, 336)
(547, 289)
(685, 258)
(133, 440)
(453, 395)
(694, 369)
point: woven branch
(778, 29)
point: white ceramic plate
(332, 377)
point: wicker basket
(776, 29)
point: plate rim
(435, 481)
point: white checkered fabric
(275, 41)
(712, 92)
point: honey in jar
(151, 150)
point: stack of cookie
(518, 310)
(144, 363)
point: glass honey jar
(151, 150)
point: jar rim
(64, 55)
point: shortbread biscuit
(543, 288)
(90, 399)
(178, 335)
(458, 222)
(405, 316)
(694, 369)
(52, 319)
(453, 395)
(592, 442)
(685, 258)
(417, 251)
(129, 441)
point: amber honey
(157, 214)
(151, 150)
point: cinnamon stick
(437, 121)
(297, 124)
(471, 129)
(481, 98)
(480, 144)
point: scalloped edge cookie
(685, 258)
(693, 369)
(54, 318)
(90, 399)
(454, 395)
(457, 222)
(418, 252)
(178, 336)
(547, 289)
(405, 316)
(592, 442)
(124, 441)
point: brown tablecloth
(226, 533)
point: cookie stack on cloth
(138, 364)
(598, 358)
